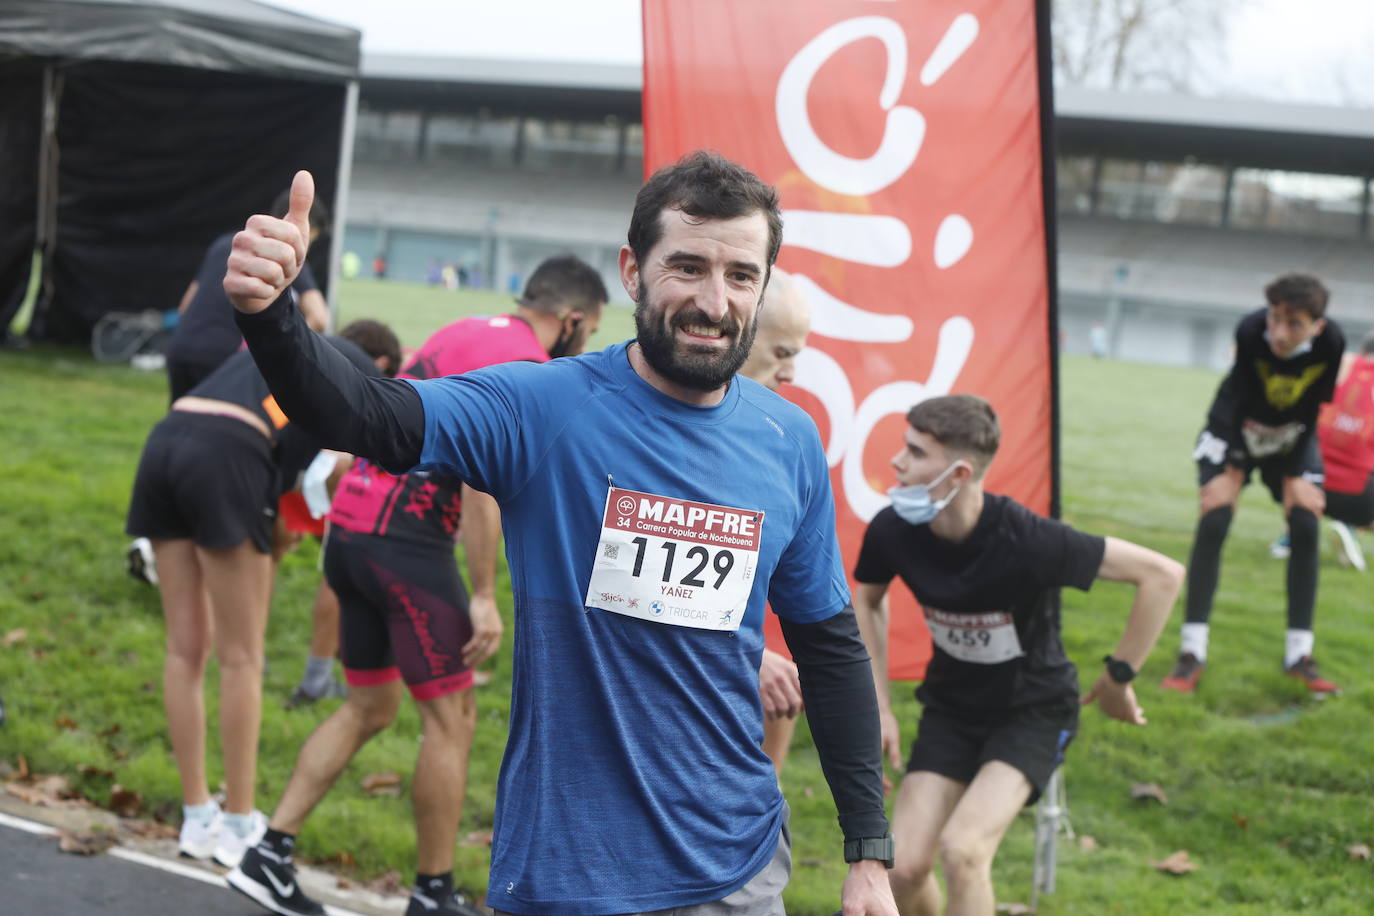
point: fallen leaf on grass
(477, 838)
(14, 638)
(1014, 909)
(341, 857)
(1358, 853)
(65, 721)
(388, 784)
(125, 802)
(148, 830)
(1149, 790)
(85, 769)
(1242, 821)
(84, 844)
(49, 792)
(1176, 864)
(388, 884)
(109, 732)
(1087, 843)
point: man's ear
(629, 272)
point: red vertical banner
(906, 140)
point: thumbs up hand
(268, 254)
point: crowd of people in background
(505, 423)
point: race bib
(1262, 441)
(674, 561)
(983, 639)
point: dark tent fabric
(21, 112)
(229, 35)
(200, 119)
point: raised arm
(1157, 580)
(317, 387)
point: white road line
(141, 858)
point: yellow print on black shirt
(1283, 391)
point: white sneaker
(1348, 548)
(230, 845)
(198, 837)
(140, 556)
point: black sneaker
(270, 879)
(453, 905)
(300, 696)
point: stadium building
(1173, 211)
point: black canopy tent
(133, 133)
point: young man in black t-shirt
(1264, 416)
(1001, 699)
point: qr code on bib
(610, 551)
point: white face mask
(914, 505)
(1299, 350)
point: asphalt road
(37, 878)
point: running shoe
(140, 555)
(270, 880)
(1282, 547)
(230, 845)
(1348, 551)
(198, 837)
(1185, 675)
(453, 905)
(300, 696)
(1305, 670)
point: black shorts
(1213, 454)
(1352, 508)
(956, 745)
(403, 612)
(207, 478)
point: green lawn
(1266, 787)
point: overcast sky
(1299, 50)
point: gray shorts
(762, 896)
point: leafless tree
(1174, 45)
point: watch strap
(1118, 670)
(879, 848)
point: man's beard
(698, 368)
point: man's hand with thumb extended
(268, 254)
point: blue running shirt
(633, 779)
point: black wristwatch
(1119, 671)
(879, 848)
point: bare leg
(924, 803)
(330, 746)
(324, 618)
(239, 580)
(186, 608)
(973, 833)
(441, 775)
(777, 739)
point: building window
(1297, 202)
(386, 135)
(634, 149)
(1166, 192)
(1074, 181)
(478, 139)
(583, 147)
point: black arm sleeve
(842, 711)
(318, 388)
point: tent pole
(345, 175)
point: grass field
(1266, 787)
